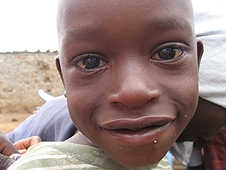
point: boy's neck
(79, 138)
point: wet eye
(90, 62)
(167, 53)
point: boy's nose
(134, 90)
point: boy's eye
(167, 53)
(90, 62)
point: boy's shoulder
(65, 155)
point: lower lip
(140, 137)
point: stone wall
(22, 75)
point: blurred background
(28, 47)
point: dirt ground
(10, 120)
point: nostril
(153, 100)
(116, 104)
(133, 100)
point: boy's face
(130, 73)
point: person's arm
(51, 123)
(6, 149)
(24, 144)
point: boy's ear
(200, 50)
(57, 62)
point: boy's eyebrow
(171, 23)
(82, 33)
(92, 31)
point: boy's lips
(139, 131)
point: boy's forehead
(103, 3)
(98, 7)
(75, 15)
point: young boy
(130, 72)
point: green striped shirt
(65, 155)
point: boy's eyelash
(82, 57)
(90, 62)
(168, 52)
(175, 46)
(79, 58)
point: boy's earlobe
(200, 50)
(57, 62)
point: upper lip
(134, 124)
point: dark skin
(204, 126)
(208, 120)
(201, 129)
(6, 149)
(130, 73)
(214, 114)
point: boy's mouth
(134, 131)
(137, 131)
